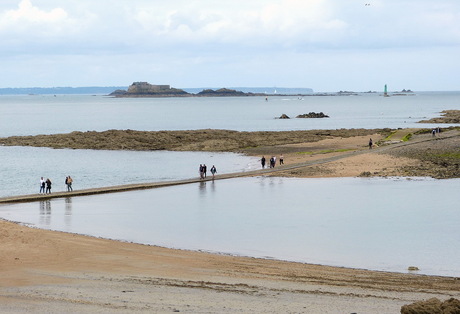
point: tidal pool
(371, 223)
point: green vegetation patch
(389, 135)
(450, 155)
(407, 137)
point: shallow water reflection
(98, 168)
(382, 224)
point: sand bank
(54, 272)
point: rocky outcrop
(432, 306)
(313, 115)
(223, 92)
(144, 89)
(284, 116)
(118, 92)
(447, 116)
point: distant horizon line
(113, 86)
(206, 87)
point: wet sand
(55, 272)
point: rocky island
(313, 115)
(144, 89)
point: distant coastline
(90, 90)
(107, 90)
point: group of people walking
(45, 185)
(203, 170)
(272, 161)
(435, 131)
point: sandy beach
(55, 272)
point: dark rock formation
(118, 92)
(313, 115)
(432, 306)
(223, 92)
(284, 116)
(448, 116)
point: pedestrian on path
(213, 171)
(42, 185)
(48, 186)
(201, 172)
(68, 182)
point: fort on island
(145, 89)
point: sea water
(370, 223)
(367, 223)
(46, 114)
(22, 167)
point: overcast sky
(327, 45)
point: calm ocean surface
(31, 115)
(383, 224)
(22, 167)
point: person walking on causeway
(68, 182)
(48, 186)
(42, 185)
(213, 171)
(201, 172)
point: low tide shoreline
(55, 272)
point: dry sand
(54, 272)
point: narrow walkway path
(141, 186)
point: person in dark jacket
(48, 186)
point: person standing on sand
(204, 170)
(48, 186)
(281, 159)
(370, 143)
(42, 185)
(201, 171)
(213, 171)
(262, 161)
